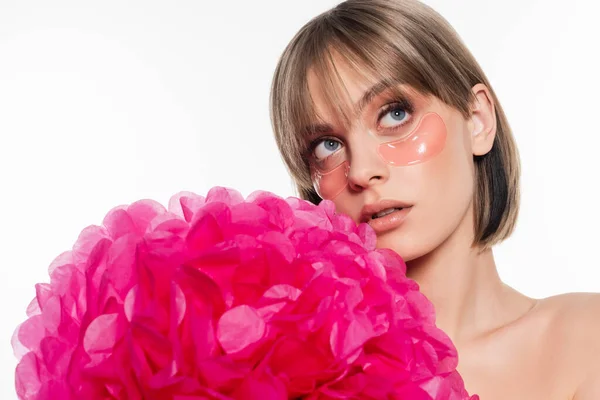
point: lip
(369, 209)
(388, 222)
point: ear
(483, 120)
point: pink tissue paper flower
(221, 297)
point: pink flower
(230, 298)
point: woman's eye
(394, 117)
(325, 148)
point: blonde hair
(398, 42)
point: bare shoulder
(574, 310)
(574, 317)
(574, 328)
(579, 303)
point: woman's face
(410, 159)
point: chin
(409, 247)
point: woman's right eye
(325, 148)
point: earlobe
(483, 120)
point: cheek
(446, 181)
(439, 173)
(426, 159)
(442, 191)
(330, 184)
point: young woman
(378, 106)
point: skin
(510, 346)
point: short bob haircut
(398, 42)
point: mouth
(385, 215)
(385, 212)
(381, 209)
(388, 219)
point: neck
(463, 284)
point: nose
(366, 166)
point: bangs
(337, 98)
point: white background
(105, 103)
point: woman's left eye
(393, 116)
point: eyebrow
(366, 98)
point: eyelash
(403, 105)
(400, 104)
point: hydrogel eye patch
(329, 184)
(425, 142)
